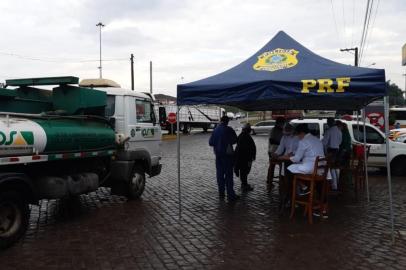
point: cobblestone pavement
(99, 231)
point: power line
(335, 21)
(345, 28)
(372, 26)
(367, 19)
(59, 60)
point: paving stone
(100, 231)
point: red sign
(377, 119)
(172, 118)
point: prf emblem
(276, 60)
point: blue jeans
(224, 168)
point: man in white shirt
(331, 141)
(309, 148)
(289, 142)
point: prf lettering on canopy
(326, 85)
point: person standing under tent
(331, 141)
(222, 140)
(275, 137)
(245, 154)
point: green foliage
(395, 94)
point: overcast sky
(186, 40)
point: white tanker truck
(70, 141)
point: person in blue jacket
(222, 140)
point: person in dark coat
(222, 140)
(245, 154)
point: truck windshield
(111, 106)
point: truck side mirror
(162, 115)
(112, 122)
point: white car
(374, 137)
(263, 127)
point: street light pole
(100, 25)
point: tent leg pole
(178, 161)
(386, 101)
(365, 156)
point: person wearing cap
(245, 154)
(275, 137)
(222, 140)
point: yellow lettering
(325, 84)
(341, 83)
(306, 84)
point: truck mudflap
(155, 170)
(121, 170)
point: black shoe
(246, 188)
(234, 198)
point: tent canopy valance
(286, 75)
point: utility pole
(132, 71)
(100, 25)
(355, 52)
(150, 77)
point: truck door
(377, 153)
(144, 133)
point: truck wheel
(14, 217)
(187, 129)
(137, 183)
(398, 166)
(205, 128)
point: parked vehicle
(374, 137)
(398, 135)
(70, 141)
(230, 115)
(204, 117)
(263, 127)
(399, 115)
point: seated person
(309, 148)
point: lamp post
(100, 25)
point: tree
(395, 94)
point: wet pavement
(99, 231)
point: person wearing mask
(275, 137)
(288, 143)
(287, 147)
(309, 148)
(331, 141)
(222, 140)
(245, 154)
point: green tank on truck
(70, 141)
(21, 136)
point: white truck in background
(200, 116)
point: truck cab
(374, 137)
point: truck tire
(186, 129)
(14, 217)
(136, 184)
(205, 128)
(398, 167)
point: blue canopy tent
(285, 75)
